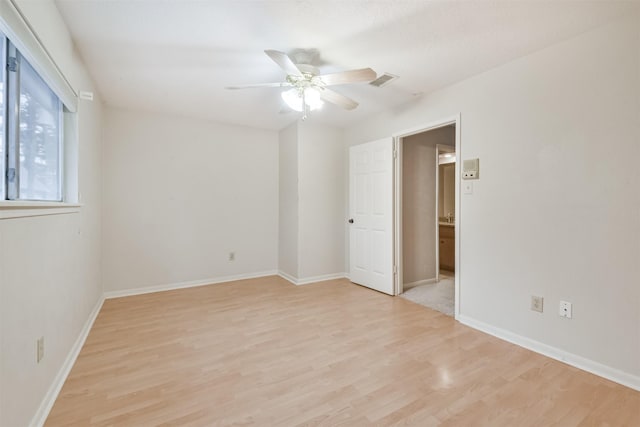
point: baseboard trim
(421, 282)
(322, 278)
(189, 284)
(596, 368)
(49, 399)
(287, 277)
(312, 279)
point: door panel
(371, 208)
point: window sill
(21, 209)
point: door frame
(397, 201)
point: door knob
(350, 220)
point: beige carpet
(438, 296)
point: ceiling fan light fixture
(294, 98)
(312, 98)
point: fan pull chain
(305, 107)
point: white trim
(34, 204)
(287, 277)
(398, 259)
(321, 278)
(579, 362)
(25, 208)
(458, 221)
(421, 282)
(312, 279)
(451, 120)
(189, 284)
(54, 389)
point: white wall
(312, 202)
(419, 169)
(50, 265)
(288, 202)
(322, 200)
(555, 211)
(180, 194)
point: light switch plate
(467, 187)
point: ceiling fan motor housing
(308, 69)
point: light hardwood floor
(264, 352)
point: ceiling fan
(309, 88)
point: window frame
(3, 114)
(11, 206)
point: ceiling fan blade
(279, 84)
(351, 76)
(338, 99)
(284, 62)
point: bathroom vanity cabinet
(447, 247)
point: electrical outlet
(565, 309)
(537, 303)
(232, 256)
(40, 349)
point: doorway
(445, 208)
(427, 212)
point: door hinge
(395, 153)
(395, 269)
(12, 64)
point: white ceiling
(176, 56)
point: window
(31, 126)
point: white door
(371, 215)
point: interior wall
(180, 194)
(322, 200)
(50, 265)
(419, 169)
(288, 202)
(555, 211)
(312, 202)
